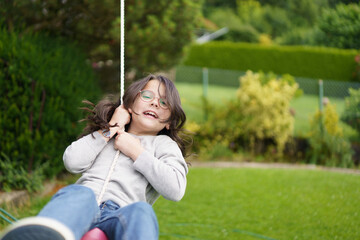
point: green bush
(220, 134)
(264, 103)
(327, 143)
(43, 81)
(241, 33)
(14, 177)
(299, 61)
(298, 36)
(259, 115)
(351, 114)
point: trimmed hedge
(42, 83)
(299, 61)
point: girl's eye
(146, 95)
(163, 102)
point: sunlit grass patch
(263, 204)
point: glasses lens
(163, 103)
(147, 95)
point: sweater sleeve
(166, 171)
(81, 154)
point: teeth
(151, 113)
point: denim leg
(135, 221)
(75, 206)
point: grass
(305, 106)
(191, 98)
(250, 204)
(37, 200)
(263, 204)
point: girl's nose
(155, 102)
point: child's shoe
(37, 228)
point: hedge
(299, 61)
(43, 81)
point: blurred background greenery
(260, 81)
(55, 53)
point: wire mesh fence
(230, 78)
(304, 107)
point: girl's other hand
(121, 117)
(128, 145)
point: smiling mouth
(151, 114)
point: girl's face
(147, 115)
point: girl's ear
(130, 111)
(167, 126)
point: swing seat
(95, 234)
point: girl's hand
(128, 145)
(121, 117)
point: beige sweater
(159, 170)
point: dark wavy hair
(99, 115)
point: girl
(145, 130)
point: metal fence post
(321, 95)
(205, 80)
(321, 101)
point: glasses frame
(152, 98)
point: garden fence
(315, 92)
(230, 78)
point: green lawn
(250, 204)
(263, 204)
(305, 106)
(191, 98)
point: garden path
(224, 164)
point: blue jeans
(76, 207)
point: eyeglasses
(148, 96)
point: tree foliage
(341, 26)
(86, 21)
(155, 34)
(351, 114)
(43, 81)
(332, 23)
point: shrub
(298, 36)
(219, 134)
(356, 73)
(264, 103)
(299, 61)
(328, 146)
(260, 115)
(43, 81)
(242, 33)
(14, 177)
(351, 114)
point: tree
(155, 33)
(209, 4)
(340, 27)
(333, 3)
(86, 21)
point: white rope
(107, 180)
(122, 49)
(122, 79)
